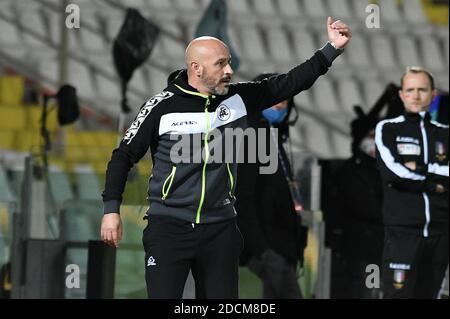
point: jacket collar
(178, 84)
(417, 117)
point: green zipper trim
(205, 140)
(194, 93)
(165, 192)
(231, 180)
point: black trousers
(413, 266)
(210, 251)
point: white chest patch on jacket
(408, 149)
(228, 111)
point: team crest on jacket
(399, 278)
(440, 151)
(223, 112)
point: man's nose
(228, 70)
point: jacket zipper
(169, 179)
(230, 174)
(425, 196)
(206, 147)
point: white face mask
(367, 145)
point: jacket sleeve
(132, 148)
(392, 170)
(268, 92)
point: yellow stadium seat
(7, 139)
(34, 115)
(27, 141)
(12, 118)
(11, 89)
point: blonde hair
(416, 70)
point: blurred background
(63, 78)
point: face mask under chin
(367, 146)
(274, 116)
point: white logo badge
(223, 112)
(151, 261)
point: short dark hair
(416, 70)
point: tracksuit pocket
(168, 183)
(231, 178)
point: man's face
(416, 92)
(217, 72)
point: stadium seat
(372, 89)
(91, 42)
(252, 45)
(34, 116)
(383, 52)
(289, 9)
(317, 138)
(279, 46)
(341, 145)
(350, 95)
(11, 90)
(190, 6)
(13, 118)
(139, 81)
(31, 19)
(7, 139)
(87, 183)
(341, 10)
(391, 17)
(305, 45)
(265, 9)
(158, 81)
(325, 98)
(316, 13)
(407, 51)
(59, 186)
(415, 16)
(303, 99)
(6, 194)
(241, 11)
(359, 55)
(48, 69)
(431, 53)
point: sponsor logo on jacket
(407, 139)
(184, 123)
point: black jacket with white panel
(198, 191)
(411, 202)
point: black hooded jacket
(198, 191)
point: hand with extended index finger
(338, 33)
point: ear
(196, 68)
(400, 94)
(434, 93)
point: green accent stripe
(205, 140)
(192, 92)
(202, 196)
(165, 192)
(231, 179)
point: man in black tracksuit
(191, 219)
(412, 152)
(266, 212)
